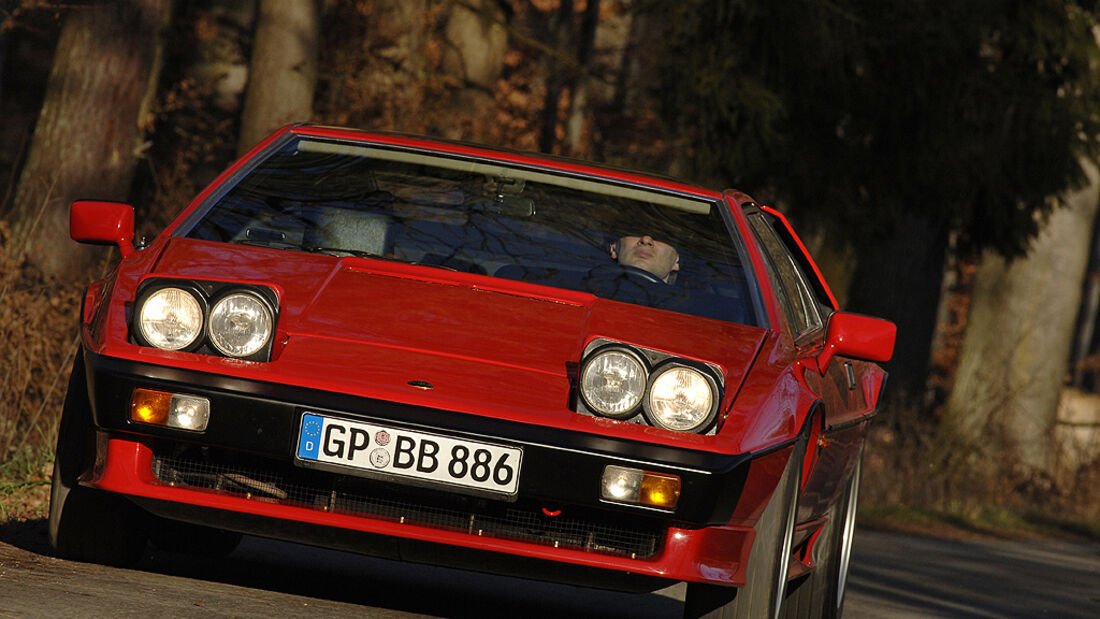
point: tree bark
(557, 78)
(220, 61)
(88, 133)
(578, 105)
(403, 21)
(1016, 349)
(473, 57)
(283, 70)
(1090, 313)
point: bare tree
(404, 21)
(579, 87)
(220, 61)
(283, 72)
(1013, 358)
(89, 131)
(557, 78)
(473, 57)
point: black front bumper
(560, 467)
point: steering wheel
(641, 274)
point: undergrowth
(989, 521)
(25, 484)
(913, 480)
(38, 341)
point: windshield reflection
(485, 218)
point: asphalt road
(893, 575)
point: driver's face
(643, 252)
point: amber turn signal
(660, 490)
(621, 484)
(172, 410)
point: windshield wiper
(340, 252)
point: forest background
(939, 158)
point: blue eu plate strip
(310, 440)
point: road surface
(893, 575)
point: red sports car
(462, 356)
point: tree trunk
(1016, 349)
(1090, 315)
(473, 57)
(220, 66)
(578, 106)
(89, 129)
(557, 77)
(220, 63)
(898, 277)
(404, 23)
(283, 71)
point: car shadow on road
(29, 535)
(381, 583)
(347, 578)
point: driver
(646, 253)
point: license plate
(374, 450)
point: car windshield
(485, 217)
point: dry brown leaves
(38, 329)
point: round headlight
(170, 319)
(681, 398)
(613, 382)
(240, 324)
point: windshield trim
(667, 197)
(511, 171)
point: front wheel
(769, 559)
(821, 593)
(86, 524)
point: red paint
(103, 223)
(713, 554)
(861, 337)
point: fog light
(621, 484)
(173, 410)
(634, 486)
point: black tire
(769, 559)
(86, 524)
(193, 539)
(820, 594)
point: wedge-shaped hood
(456, 341)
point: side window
(809, 276)
(795, 296)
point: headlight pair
(676, 394)
(235, 321)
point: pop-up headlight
(170, 319)
(681, 398)
(240, 324)
(613, 382)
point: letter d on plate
(310, 440)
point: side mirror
(857, 336)
(103, 223)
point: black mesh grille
(265, 480)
